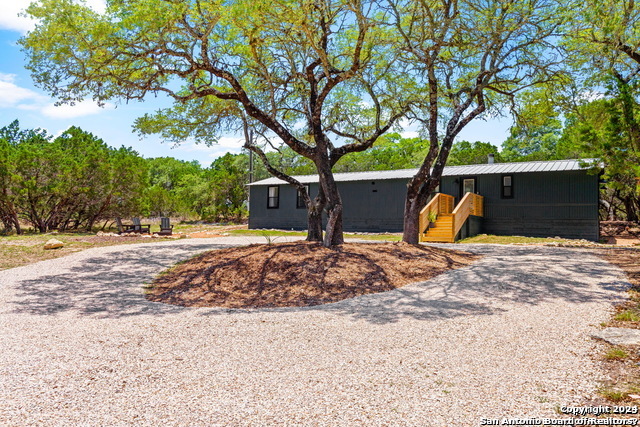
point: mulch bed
(299, 274)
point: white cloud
(10, 10)
(409, 134)
(225, 142)
(9, 19)
(409, 129)
(12, 95)
(97, 5)
(84, 108)
(591, 95)
(230, 142)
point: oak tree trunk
(333, 234)
(630, 208)
(410, 231)
(314, 230)
(315, 208)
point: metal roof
(481, 169)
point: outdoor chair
(137, 227)
(166, 229)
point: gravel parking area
(505, 337)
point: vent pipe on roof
(491, 159)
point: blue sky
(20, 99)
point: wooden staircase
(441, 232)
(449, 221)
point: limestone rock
(619, 336)
(53, 244)
(103, 234)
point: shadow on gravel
(109, 286)
(501, 280)
(106, 286)
(505, 278)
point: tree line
(327, 79)
(76, 182)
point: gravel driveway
(505, 337)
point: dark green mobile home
(541, 199)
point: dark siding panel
(286, 216)
(551, 204)
(449, 186)
(363, 208)
(373, 206)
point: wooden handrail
(440, 204)
(471, 204)
(446, 205)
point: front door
(468, 186)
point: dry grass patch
(628, 260)
(299, 274)
(622, 364)
(16, 251)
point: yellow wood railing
(471, 204)
(440, 204)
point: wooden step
(440, 236)
(446, 233)
(436, 239)
(440, 227)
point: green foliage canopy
(70, 181)
(295, 70)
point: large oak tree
(469, 60)
(317, 75)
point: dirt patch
(627, 260)
(217, 231)
(299, 274)
(22, 250)
(623, 384)
(620, 233)
(620, 229)
(205, 234)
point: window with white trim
(273, 197)
(507, 186)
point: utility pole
(251, 158)
(248, 141)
